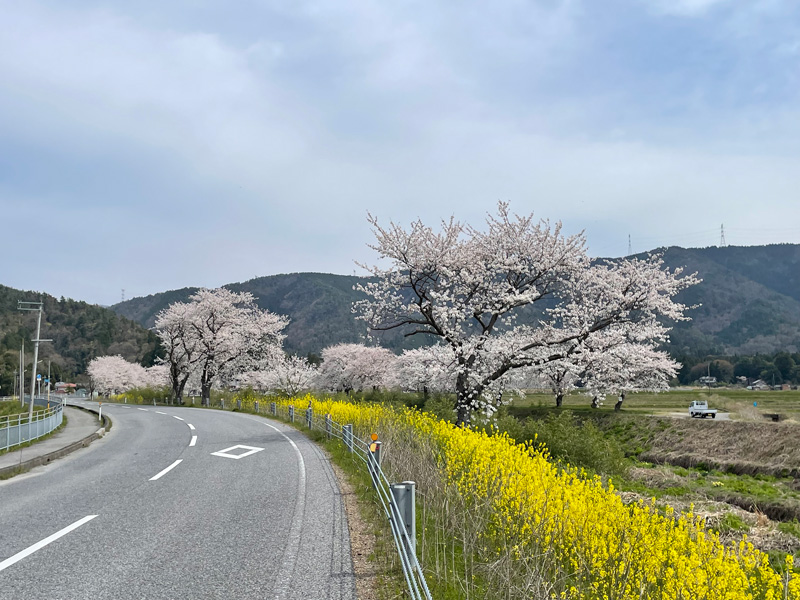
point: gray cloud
(197, 144)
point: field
(742, 474)
(737, 402)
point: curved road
(150, 511)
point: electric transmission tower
(630, 251)
(123, 294)
(722, 242)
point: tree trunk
(463, 401)
(620, 400)
(559, 399)
(205, 389)
(177, 390)
(595, 402)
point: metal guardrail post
(328, 425)
(273, 408)
(309, 416)
(375, 448)
(291, 413)
(404, 495)
(154, 401)
(238, 404)
(256, 403)
(223, 403)
(347, 436)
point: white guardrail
(18, 429)
(396, 499)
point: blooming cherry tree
(114, 374)
(467, 287)
(355, 367)
(288, 376)
(626, 368)
(172, 327)
(427, 369)
(218, 333)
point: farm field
(737, 402)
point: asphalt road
(150, 512)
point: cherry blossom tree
(625, 368)
(288, 376)
(561, 376)
(172, 327)
(355, 367)
(467, 289)
(231, 334)
(218, 333)
(114, 375)
(157, 376)
(427, 369)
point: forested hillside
(749, 302)
(79, 331)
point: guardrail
(396, 499)
(18, 429)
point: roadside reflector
(374, 437)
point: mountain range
(747, 303)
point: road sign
(38, 377)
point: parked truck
(699, 408)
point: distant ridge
(750, 303)
(80, 331)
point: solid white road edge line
(167, 470)
(191, 426)
(39, 545)
(194, 440)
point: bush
(569, 442)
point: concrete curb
(46, 458)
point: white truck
(699, 408)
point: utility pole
(22, 374)
(33, 307)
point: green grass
(790, 527)
(13, 407)
(731, 523)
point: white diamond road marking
(224, 453)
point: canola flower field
(513, 525)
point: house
(759, 384)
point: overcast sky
(152, 145)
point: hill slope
(79, 331)
(749, 302)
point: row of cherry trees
(514, 304)
(115, 375)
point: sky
(153, 145)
